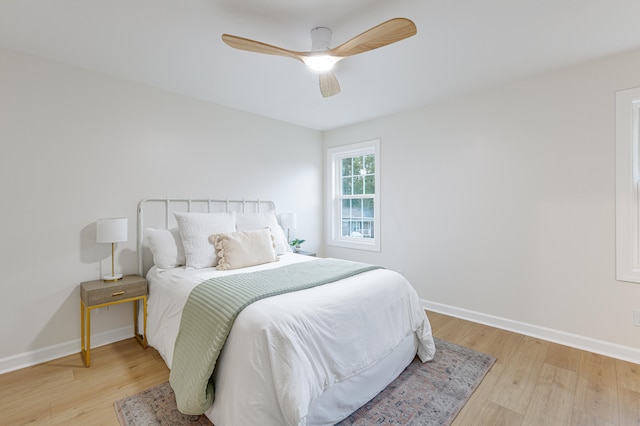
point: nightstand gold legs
(86, 350)
(136, 307)
(85, 316)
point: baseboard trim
(601, 347)
(625, 353)
(38, 356)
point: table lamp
(111, 230)
(289, 221)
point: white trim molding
(38, 356)
(613, 350)
(627, 185)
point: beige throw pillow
(244, 248)
(252, 221)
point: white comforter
(284, 352)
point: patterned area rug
(423, 395)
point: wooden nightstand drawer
(99, 292)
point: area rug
(423, 395)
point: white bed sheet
(285, 353)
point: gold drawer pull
(119, 293)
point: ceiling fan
(321, 58)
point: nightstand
(305, 253)
(99, 294)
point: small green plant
(296, 243)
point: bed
(308, 357)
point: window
(628, 185)
(354, 195)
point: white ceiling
(461, 45)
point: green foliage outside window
(358, 178)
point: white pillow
(166, 247)
(252, 221)
(244, 248)
(195, 229)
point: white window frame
(334, 203)
(628, 185)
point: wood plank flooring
(533, 382)
(65, 392)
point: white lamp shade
(289, 220)
(111, 230)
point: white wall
(499, 205)
(77, 146)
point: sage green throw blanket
(212, 307)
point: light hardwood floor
(65, 392)
(533, 382)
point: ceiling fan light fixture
(322, 58)
(321, 63)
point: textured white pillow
(244, 248)
(195, 229)
(252, 221)
(166, 247)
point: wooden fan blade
(259, 47)
(329, 85)
(381, 35)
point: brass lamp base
(113, 277)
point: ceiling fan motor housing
(320, 39)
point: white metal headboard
(164, 208)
